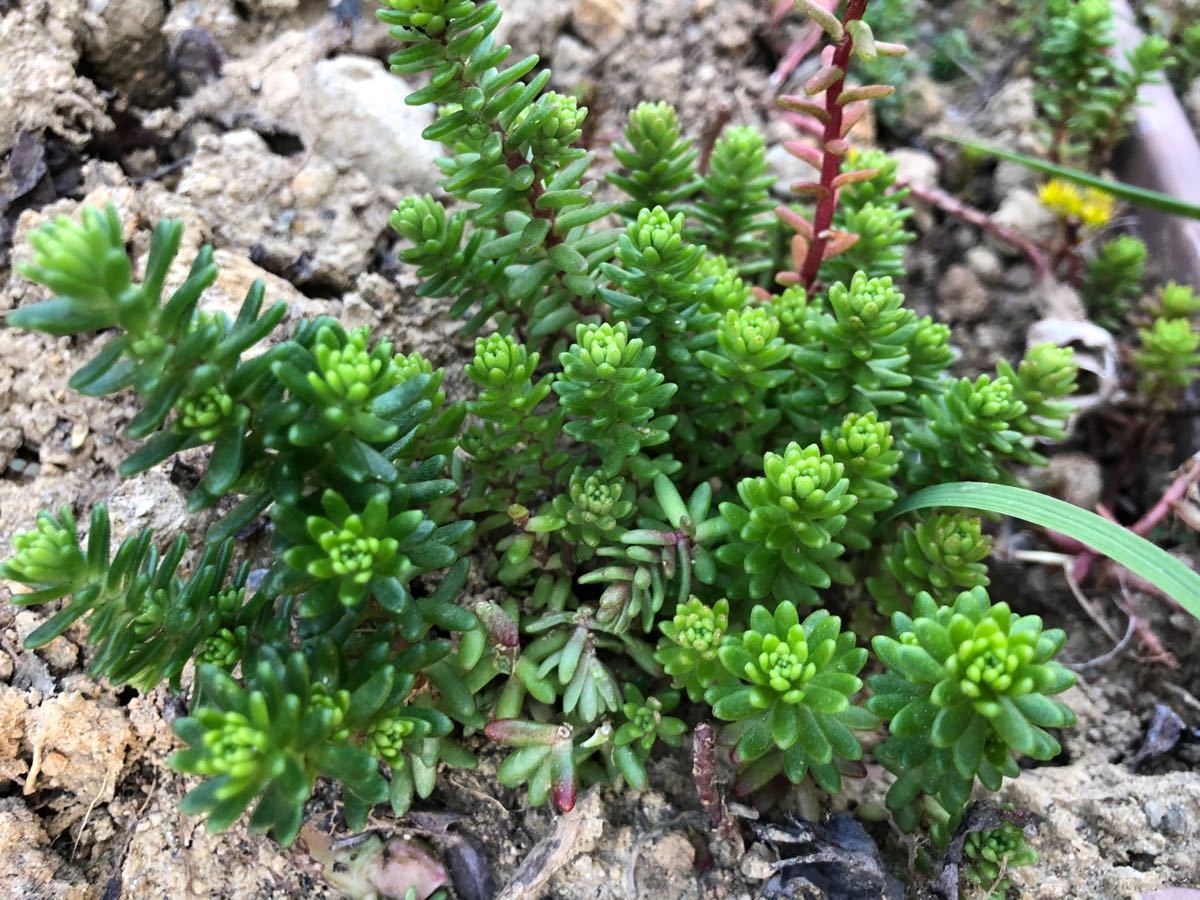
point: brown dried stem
(951, 205)
(728, 843)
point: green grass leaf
(1119, 544)
(1119, 189)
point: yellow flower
(1090, 207)
(1097, 208)
(1062, 198)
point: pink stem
(947, 203)
(831, 161)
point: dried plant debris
(837, 857)
(1165, 731)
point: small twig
(1130, 630)
(163, 170)
(704, 773)
(708, 140)
(951, 205)
(480, 795)
(1064, 561)
(352, 841)
(1083, 601)
(1158, 653)
(1174, 493)
(1146, 637)
(1183, 694)
(991, 892)
(88, 815)
(10, 650)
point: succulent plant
(689, 648)
(657, 162)
(787, 523)
(989, 854)
(968, 685)
(942, 556)
(511, 552)
(1168, 361)
(794, 684)
(612, 395)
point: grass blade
(1119, 544)
(1119, 189)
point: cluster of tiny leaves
(1086, 96)
(1167, 361)
(664, 468)
(1113, 281)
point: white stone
(354, 111)
(916, 167)
(1022, 210)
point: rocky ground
(272, 128)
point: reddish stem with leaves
(833, 150)
(829, 120)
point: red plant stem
(1172, 495)
(1151, 519)
(1068, 251)
(712, 131)
(831, 162)
(947, 203)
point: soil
(272, 128)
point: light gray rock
(1011, 176)
(348, 110)
(924, 102)
(1106, 831)
(1010, 115)
(602, 22)
(984, 262)
(126, 49)
(532, 25)
(916, 166)
(312, 220)
(39, 88)
(1022, 210)
(963, 298)
(353, 111)
(572, 61)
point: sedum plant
(989, 854)
(968, 685)
(1113, 279)
(790, 700)
(1086, 97)
(670, 474)
(1167, 360)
